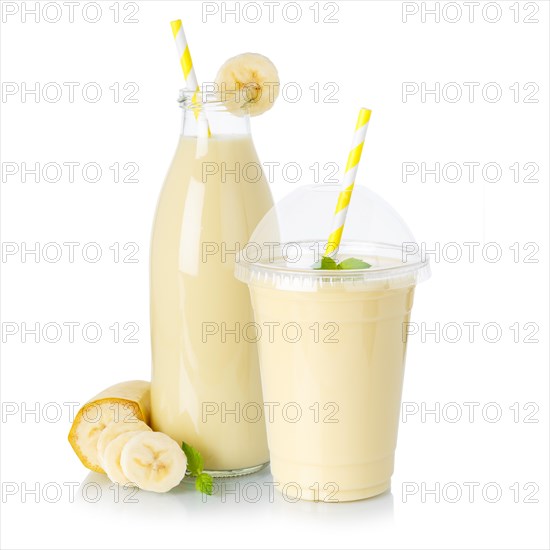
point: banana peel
(117, 403)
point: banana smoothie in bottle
(204, 371)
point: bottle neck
(212, 120)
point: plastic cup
(331, 344)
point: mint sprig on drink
(327, 262)
(353, 263)
(195, 465)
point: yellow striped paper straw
(348, 182)
(186, 63)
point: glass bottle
(205, 377)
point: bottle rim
(212, 102)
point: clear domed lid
(286, 247)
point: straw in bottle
(186, 63)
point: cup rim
(415, 270)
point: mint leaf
(195, 462)
(353, 263)
(326, 263)
(204, 483)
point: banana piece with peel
(248, 84)
(107, 436)
(120, 403)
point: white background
(368, 53)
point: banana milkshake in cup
(333, 358)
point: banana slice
(110, 459)
(113, 430)
(248, 84)
(117, 403)
(153, 461)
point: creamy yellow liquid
(194, 373)
(342, 447)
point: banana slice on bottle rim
(248, 84)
